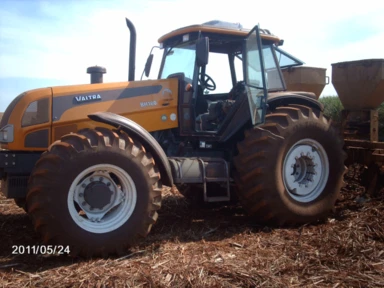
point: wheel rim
(102, 198)
(305, 170)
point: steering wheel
(205, 84)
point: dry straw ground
(216, 246)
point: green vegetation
(333, 107)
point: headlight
(6, 134)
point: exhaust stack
(132, 50)
(96, 74)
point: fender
(276, 99)
(150, 144)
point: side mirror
(148, 65)
(202, 51)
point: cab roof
(218, 27)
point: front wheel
(290, 170)
(95, 191)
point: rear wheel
(294, 174)
(95, 191)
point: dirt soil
(216, 246)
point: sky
(50, 43)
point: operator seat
(220, 112)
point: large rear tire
(96, 192)
(294, 174)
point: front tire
(95, 191)
(294, 174)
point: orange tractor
(87, 162)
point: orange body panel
(17, 115)
(152, 104)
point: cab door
(254, 76)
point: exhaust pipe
(132, 50)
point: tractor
(88, 162)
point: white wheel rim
(305, 170)
(114, 185)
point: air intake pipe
(96, 74)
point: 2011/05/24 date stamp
(40, 249)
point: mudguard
(285, 98)
(275, 99)
(150, 144)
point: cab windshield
(180, 59)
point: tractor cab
(220, 68)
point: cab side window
(218, 68)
